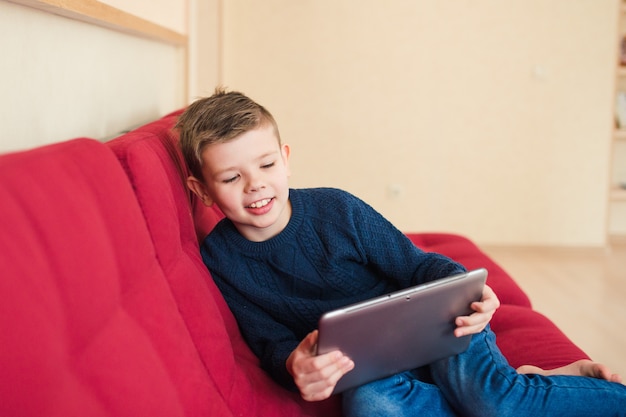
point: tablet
(402, 330)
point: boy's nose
(254, 185)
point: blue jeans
(479, 382)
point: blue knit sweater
(336, 250)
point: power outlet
(395, 191)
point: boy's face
(247, 178)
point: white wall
(490, 118)
(62, 78)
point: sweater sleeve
(392, 254)
(269, 340)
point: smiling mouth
(260, 203)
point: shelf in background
(99, 13)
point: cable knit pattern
(336, 250)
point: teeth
(261, 203)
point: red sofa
(107, 309)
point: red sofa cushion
(527, 337)
(154, 165)
(88, 324)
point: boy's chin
(258, 231)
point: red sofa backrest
(89, 326)
(154, 165)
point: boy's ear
(199, 189)
(286, 152)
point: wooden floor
(583, 291)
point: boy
(282, 257)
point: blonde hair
(217, 119)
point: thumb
(310, 342)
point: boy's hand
(484, 310)
(316, 376)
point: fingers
(483, 313)
(306, 349)
(319, 380)
(471, 324)
(489, 301)
(316, 376)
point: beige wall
(488, 118)
(204, 47)
(62, 78)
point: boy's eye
(271, 164)
(229, 180)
